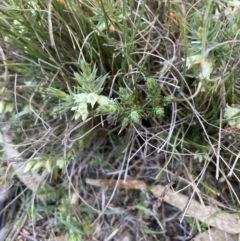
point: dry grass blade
(213, 216)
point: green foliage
(112, 9)
(71, 224)
(213, 38)
(131, 109)
(232, 116)
(87, 92)
(88, 81)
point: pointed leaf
(38, 165)
(92, 99)
(60, 163)
(103, 100)
(99, 83)
(84, 116)
(206, 69)
(28, 167)
(48, 165)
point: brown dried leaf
(31, 179)
(215, 234)
(213, 216)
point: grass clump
(121, 89)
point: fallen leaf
(216, 235)
(32, 179)
(213, 216)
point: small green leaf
(111, 109)
(192, 60)
(74, 199)
(59, 94)
(38, 165)
(80, 98)
(103, 100)
(9, 108)
(77, 115)
(82, 107)
(206, 69)
(99, 83)
(29, 166)
(135, 116)
(60, 163)
(92, 99)
(78, 78)
(232, 114)
(48, 165)
(80, 110)
(84, 115)
(158, 112)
